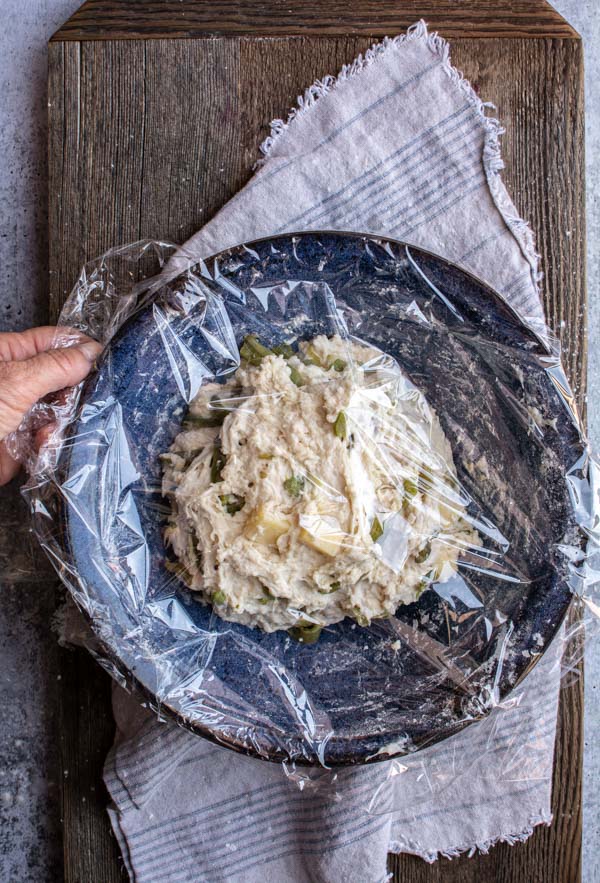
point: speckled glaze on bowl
(359, 694)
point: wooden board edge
(117, 20)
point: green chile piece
(294, 485)
(232, 503)
(217, 462)
(340, 427)
(376, 529)
(305, 632)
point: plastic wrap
(504, 507)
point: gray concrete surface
(30, 845)
(30, 831)
(585, 16)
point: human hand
(33, 364)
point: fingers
(8, 467)
(43, 434)
(18, 345)
(23, 382)
(34, 363)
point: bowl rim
(111, 661)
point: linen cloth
(398, 144)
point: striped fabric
(185, 810)
(398, 144)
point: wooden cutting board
(155, 112)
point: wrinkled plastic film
(420, 345)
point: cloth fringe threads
(492, 156)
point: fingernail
(90, 349)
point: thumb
(8, 467)
(23, 383)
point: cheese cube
(265, 527)
(321, 533)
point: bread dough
(309, 503)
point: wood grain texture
(538, 91)
(90, 850)
(132, 19)
(150, 138)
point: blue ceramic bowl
(359, 694)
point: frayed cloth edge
(323, 87)
(482, 847)
(492, 156)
